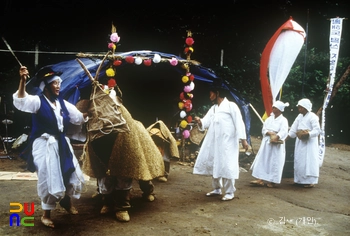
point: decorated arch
(154, 85)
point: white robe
(218, 155)
(306, 162)
(46, 154)
(269, 161)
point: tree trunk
(336, 88)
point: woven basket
(196, 136)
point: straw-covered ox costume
(120, 153)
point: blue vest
(44, 121)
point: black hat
(219, 86)
(45, 76)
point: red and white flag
(277, 59)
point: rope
(42, 52)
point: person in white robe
(306, 129)
(219, 152)
(269, 161)
(46, 142)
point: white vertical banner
(334, 45)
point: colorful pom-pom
(138, 60)
(189, 108)
(117, 62)
(182, 96)
(173, 61)
(115, 38)
(192, 86)
(187, 103)
(110, 72)
(189, 41)
(181, 105)
(111, 83)
(156, 58)
(191, 77)
(147, 62)
(183, 114)
(189, 119)
(187, 89)
(186, 133)
(130, 59)
(112, 46)
(185, 79)
(183, 124)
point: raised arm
(23, 73)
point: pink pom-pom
(111, 46)
(115, 38)
(186, 133)
(173, 61)
(187, 89)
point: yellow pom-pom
(185, 79)
(110, 72)
(183, 124)
(191, 49)
(181, 105)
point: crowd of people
(119, 158)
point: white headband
(48, 81)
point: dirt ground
(181, 207)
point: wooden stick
(86, 70)
(256, 113)
(99, 68)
